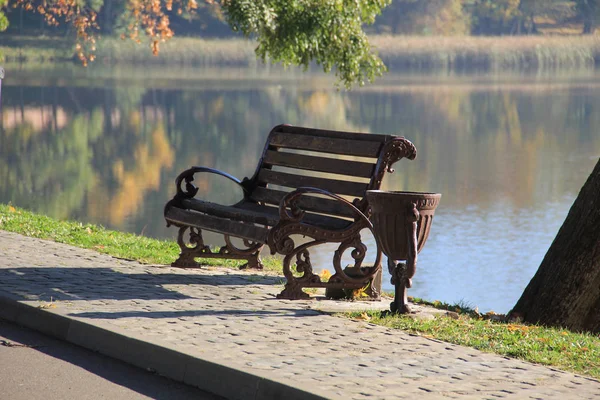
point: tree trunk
(565, 290)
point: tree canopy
(330, 33)
(292, 32)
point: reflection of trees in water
(44, 168)
(111, 155)
(132, 177)
(474, 144)
(95, 157)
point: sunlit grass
(95, 237)
(569, 351)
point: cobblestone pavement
(233, 318)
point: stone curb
(202, 372)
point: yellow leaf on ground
(12, 209)
(325, 275)
(364, 317)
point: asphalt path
(34, 366)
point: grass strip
(569, 351)
(89, 236)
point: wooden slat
(234, 228)
(295, 181)
(367, 137)
(321, 164)
(349, 147)
(314, 204)
(233, 217)
(322, 221)
(231, 212)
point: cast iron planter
(402, 221)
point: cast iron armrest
(191, 190)
(296, 213)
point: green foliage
(495, 17)
(296, 32)
(516, 17)
(589, 12)
(3, 19)
(424, 17)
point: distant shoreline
(415, 53)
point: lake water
(509, 153)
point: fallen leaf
(364, 317)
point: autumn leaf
(325, 275)
(364, 317)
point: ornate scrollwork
(294, 285)
(230, 248)
(393, 151)
(191, 190)
(279, 239)
(251, 252)
(291, 223)
(196, 240)
(356, 273)
(197, 248)
(303, 265)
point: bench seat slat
(243, 230)
(295, 181)
(258, 214)
(308, 203)
(321, 164)
(262, 217)
(349, 147)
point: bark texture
(565, 291)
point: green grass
(569, 351)
(95, 237)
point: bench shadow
(194, 313)
(71, 283)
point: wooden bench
(310, 183)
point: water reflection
(509, 158)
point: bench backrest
(344, 163)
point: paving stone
(233, 316)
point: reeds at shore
(398, 52)
(489, 53)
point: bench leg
(293, 287)
(254, 261)
(197, 249)
(188, 253)
(251, 253)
